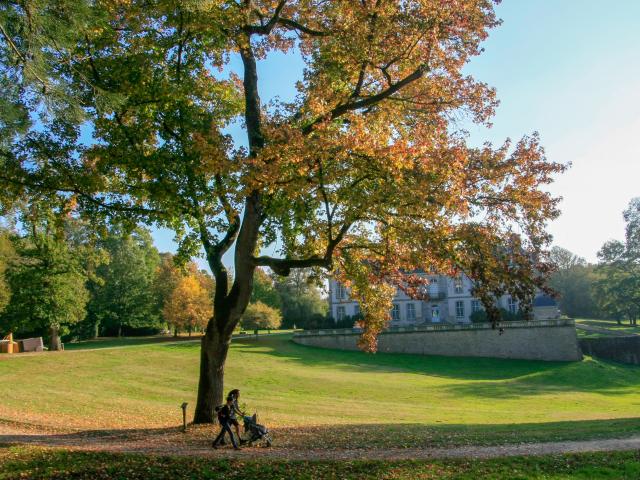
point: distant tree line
(298, 299)
(61, 279)
(609, 289)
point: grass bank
(55, 464)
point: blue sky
(569, 69)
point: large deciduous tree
(189, 306)
(48, 280)
(574, 281)
(124, 295)
(363, 174)
(302, 302)
(618, 286)
(7, 256)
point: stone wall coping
(564, 322)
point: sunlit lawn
(624, 327)
(380, 399)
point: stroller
(256, 433)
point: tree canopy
(618, 286)
(47, 281)
(189, 306)
(260, 316)
(125, 296)
(364, 173)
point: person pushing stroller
(224, 417)
(234, 396)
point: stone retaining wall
(554, 340)
(618, 349)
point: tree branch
(76, 191)
(283, 266)
(266, 28)
(369, 101)
(293, 25)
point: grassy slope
(610, 325)
(49, 464)
(424, 400)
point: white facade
(450, 301)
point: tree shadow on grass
(589, 375)
(488, 377)
(107, 342)
(171, 440)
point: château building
(450, 300)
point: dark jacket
(224, 414)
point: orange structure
(7, 345)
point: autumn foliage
(365, 174)
(260, 316)
(189, 306)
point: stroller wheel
(267, 440)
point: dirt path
(174, 443)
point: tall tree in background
(189, 306)
(363, 174)
(302, 300)
(618, 286)
(264, 290)
(47, 282)
(126, 297)
(166, 279)
(7, 256)
(573, 279)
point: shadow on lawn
(490, 377)
(108, 342)
(171, 440)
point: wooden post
(184, 416)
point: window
(411, 312)
(476, 306)
(395, 312)
(435, 313)
(341, 313)
(457, 284)
(356, 310)
(341, 292)
(513, 305)
(433, 287)
(459, 309)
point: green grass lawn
(325, 397)
(55, 464)
(112, 342)
(609, 325)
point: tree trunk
(96, 330)
(230, 304)
(213, 354)
(175, 332)
(119, 330)
(55, 343)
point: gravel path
(169, 443)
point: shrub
(506, 316)
(260, 316)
